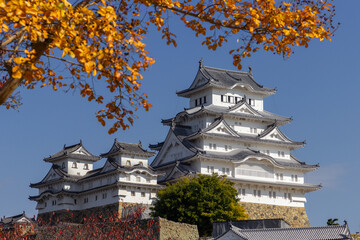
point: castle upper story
(225, 88)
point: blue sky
(318, 87)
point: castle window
(237, 99)
(86, 200)
(127, 177)
(259, 193)
(230, 147)
(86, 166)
(204, 99)
(223, 170)
(270, 194)
(104, 195)
(75, 201)
(63, 165)
(285, 195)
(133, 193)
(281, 176)
(96, 198)
(289, 196)
(251, 102)
(267, 152)
(282, 154)
(223, 98)
(241, 191)
(54, 202)
(296, 178)
(148, 180)
(277, 176)
(138, 179)
(74, 165)
(141, 164)
(227, 171)
(254, 193)
(274, 194)
(200, 101)
(214, 145)
(210, 145)
(292, 178)
(142, 194)
(226, 147)
(45, 204)
(128, 163)
(210, 169)
(230, 99)
(196, 103)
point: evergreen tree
(200, 200)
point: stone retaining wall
(295, 216)
(177, 231)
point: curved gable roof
(127, 148)
(76, 151)
(222, 78)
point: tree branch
(12, 37)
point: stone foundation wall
(147, 229)
(115, 209)
(295, 216)
(177, 231)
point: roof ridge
(225, 70)
(295, 228)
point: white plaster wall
(79, 170)
(267, 149)
(236, 92)
(266, 199)
(133, 160)
(287, 176)
(244, 127)
(218, 167)
(201, 95)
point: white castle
(73, 184)
(225, 130)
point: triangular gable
(221, 127)
(199, 80)
(23, 220)
(107, 167)
(172, 150)
(82, 151)
(276, 135)
(175, 173)
(244, 108)
(51, 175)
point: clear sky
(318, 87)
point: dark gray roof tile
(226, 79)
(127, 148)
(70, 152)
(306, 233)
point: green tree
(200, 200)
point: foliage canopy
(102, 40)
(200, 200)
